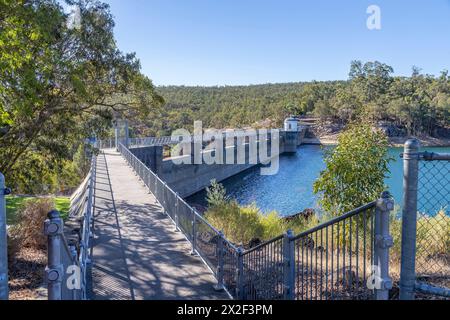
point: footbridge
(140, 240)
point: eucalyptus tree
(355, 170)
(61, 83)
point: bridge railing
(339, 259)
(68, 261)
(218, 253)
(332, 261)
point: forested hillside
(419, 104)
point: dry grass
(26, 274)
(27, 252)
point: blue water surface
(290, 191)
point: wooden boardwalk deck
(137, 255)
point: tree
(355, 170)
(59, 85)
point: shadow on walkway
(136, 252)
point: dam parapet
(190, 172)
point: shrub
(273, 225)
(216, 194)
(355, 170)
(241, 224)
(433, 234)
(28, 232)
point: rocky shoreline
(426, 141)
(328, 133)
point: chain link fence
(425, 245)
(433, 222)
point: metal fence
(332, 261)
(3, 240)
(217, 252)
(68, 260)
(335, 260)
(425, 265)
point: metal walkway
(136, 252)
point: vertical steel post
(53, 228)
(116, 136)
(383, 242)
(240, 274)
(177, 216)
(194, 230)
(75, 293)
(409, 219)
(3, 241)
(289, 266)
(220, 255)
(127, 135)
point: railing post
(163, 202)
(116, 137)
(127, 135)
(73, 253)
(220, 271)
(383, 242)
(177, 217)
(194, 230)
(240, 274)
(288, 266)
(53, 229)
(409, 219)
(3, 241)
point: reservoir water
(290, 191)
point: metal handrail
(199, 216)
(60, 261)
(432, 156)
(245, 272)
(263, 245)
(427, 156)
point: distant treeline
(419, 104)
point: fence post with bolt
(383, 242)
(3, 241)
(220, 255)
(289, 266)
(409, 219)
(53, 229)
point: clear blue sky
(229, 42)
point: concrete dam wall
(188, 179)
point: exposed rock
(199, 208)
(307, 243)
(254, 243)
(305, 214)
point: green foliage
(241, 224)
(27, 232)
(417, 104)
(355, 170)
(216, 195)
(433, 242)
(433, 235)
(60, 85)
(14, 205)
